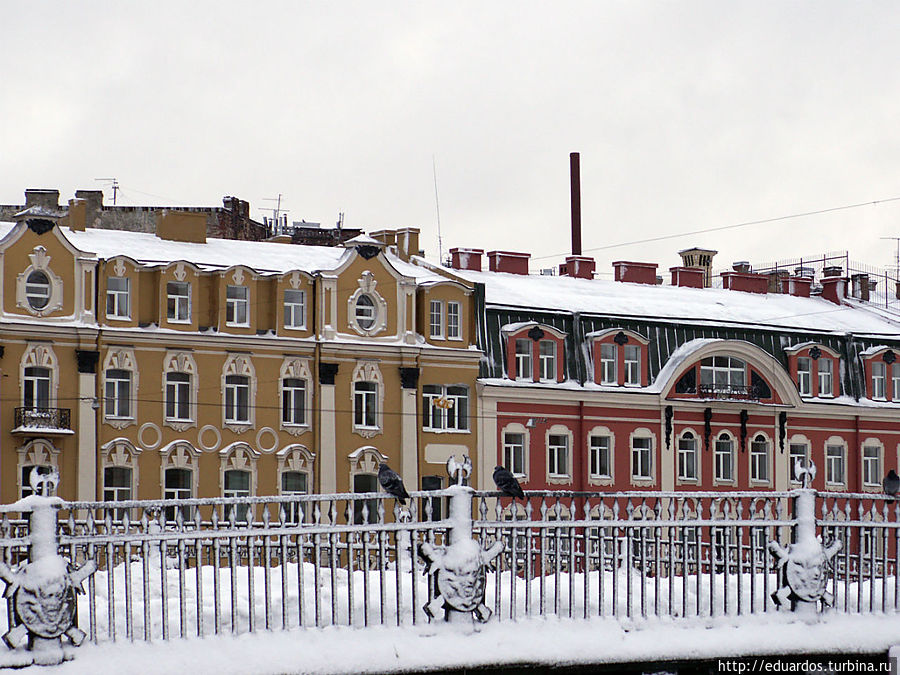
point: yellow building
(168, 365)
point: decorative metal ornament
(367, 251)
(707, 427)
(782, 430)
(889, 357)
(39, 225)
(815, 353)
(669, 414)
(621, 338)
(744, 416)
(535, 333)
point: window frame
(729, 370)
(511, 449)
(119, 298)
(235, 385)
(294, 512)
(825, 374)
(609, 363)
(800, 441)
(176, 300)
(757, 462)
(290, 411)
(31, 387)
(436, 319)
(558, 453)
(719, 457)
(34, 290)
(879, 380)
(176, 399)
(237, 305)
(547, 371)
(631, 367)
(365, 311)
(831, 461)
(692, 452)
(117, 399)
(365, 404)
(596, 452)
(638, 455)
(524, 358)
(454, 320)
(290, 309)
(872, 472)
(804, 375)
(450, 419)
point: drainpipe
(856, 451)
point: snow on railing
(169, 568)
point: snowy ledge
(530, 641)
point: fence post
(44, 590)
(458, 569)
(801, 566)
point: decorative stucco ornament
(44, 590)
(459, 569)
(802, 566)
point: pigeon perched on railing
(891, 483)
(392, 483)
(507, 483)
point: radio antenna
(437, 208)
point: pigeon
(891, 483)
(392, 483)
(507, 483)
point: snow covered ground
(534, 641)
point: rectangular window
(178, 301)
(872, 465)
(237, 306)
(514, 452)
(641, 457)
(178, 396)
(804, 376)
(117, 298)
(798, 452)
(294, 308)
(237, 484)
(454, 321)
(445, 407)
(294, 483)
(432, 507)
(117, 393)
(178, 484)
(724, 459)
(365, 510)
(523, 359)
(432, 410)
(633, 365)
(458, 413)
(608, 364)
(759, 460)
(601, 457)
(365, 398)
(36, 388)
(436, 319)
(237, 399)
(558, 455)
(834, 464)
(117, 488)
(547, 356)
(895, 381)
(293, 401)
(878, 376)
(826, 377)
(723, 374)
(687, 457)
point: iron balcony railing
(731, 391)
(43, 418)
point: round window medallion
(37, 289)
(365, 311)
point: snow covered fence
(233, 565)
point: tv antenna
(437, 208)
(115, 186)
(276, 210)
(897, 255)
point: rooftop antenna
(115, 186)
(897, 255)
(437, 208)
(340, 221)
(276, 211)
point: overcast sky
(687, 115)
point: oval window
(37, 289)
(365, 312)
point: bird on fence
(392, 483)
(507, 483)
(891, 483)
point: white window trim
(240, 364)
(40, 356)
(295, 368)
(642, 432)
(835, 370)
(368, 371)
(516, 428)
(121, 358)
(190, 303)
(540, 364)
(734, 462)
(875, 486)
(439, 333)
(238, 456)
(296, 458)
(698, 464)
(808, 372)
(445, 393)
(523, 377)
(179, 455)
(180, 362)
(37, 452)
(769, 458)
(625, 363)
(559, 430)
(459, 325)
(835, 440)
(40, 262)
(237, 301)
(615, 364)
(284, 304)
(598, 479)
(367, 284)
(118, 317)
(884, 380)
(122, 453)
(798, 439)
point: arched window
(295, 466)
(687, 457)
(759, 459)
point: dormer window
(804, 375)
(523, 359)
(895, 381)
(619, 358)
(178, 301)
(813, 367)
(37, 289)
(879, 376)
(237, 306)
(365, 311)
(608, 358)
(117, 292)
(826, 376)
(547, 355)
(632, 365)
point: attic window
(365, 311)
(37, 289)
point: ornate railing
(748, 392)
(43, 418)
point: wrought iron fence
(209, 566)
(43, 418)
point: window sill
(177, 420)
(687, 481)
(455, 339)
(559, 479)
(295, 327)
(445, 431)
(642, 480)
(180, 322)
(237, 325)
(239, 423)
(117, 318)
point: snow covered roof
(674, 303)
(261, 256)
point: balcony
(43, 422)
(731, 392)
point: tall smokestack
(575, 178)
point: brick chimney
(579, 266)
(47, 199)
(466, 258)
(834, 289)
(687, 277)
(635, 272)
(508, 261)
(699, 257)
(859, 284)
(745, 281)
(77, 215)
(797, 286)
(181, 226)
